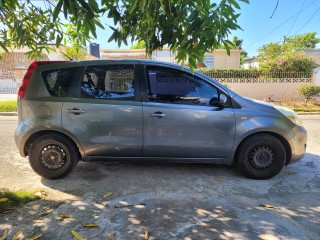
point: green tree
(236, 43)
(139, 45)
(75, 53)
(189, 28)
(289, 44)
(302, 41)
(288, 55)
(290, 61)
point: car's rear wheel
(53, 156)
(261, 156)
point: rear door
(182, 118)
(106, 116)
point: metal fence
(8, 89)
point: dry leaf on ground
(17, 235)
(40, 193)
(146, 235)
(4, 199)
(110, 237)
(46, 212)
(4, 235)
(38, 221)
(36, 236)
(9, 210)
(63, 216)
(218, 178)
(268, 206)
(90, 225)
(77, 235)
(107, 195)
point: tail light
(28, 75)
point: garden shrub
(308, 91)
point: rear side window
(108, 82)
(58, 81)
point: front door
(107, 116)
(182, 117)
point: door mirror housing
(222, 100)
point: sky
(290, 17)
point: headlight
(290, 114)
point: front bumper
(298, 137)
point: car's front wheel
(261, 156)
(53, 156)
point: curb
(308, 113)
(8, 114)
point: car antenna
(67, 56)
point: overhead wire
(280, 25)
(275, 9)
(308, 20)
(296, 18)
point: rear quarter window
(58, 81)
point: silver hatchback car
(140, 109)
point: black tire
(53, 156)
(261, 156)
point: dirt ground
(165, 201)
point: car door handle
(157, 114)
(76, 111)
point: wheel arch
(278, 136)
(38, 134)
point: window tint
(173, 86)
(58, 81)
(108, 82)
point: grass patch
(301, 106)
(10, 200)
(8, 106)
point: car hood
(254, 104)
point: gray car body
(115, 130)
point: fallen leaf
(45, 213)
(36, 236)
(110, 237)
(38, 221)
(17, 235)
(63, 216)
(9, 210)
(4, 199)
(40, 193)
(146, 235)
(107, 195)
(218, 178)
(90, 225)
(77, 235)
(4, 235)
(268, 206)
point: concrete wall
(265, 89)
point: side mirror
(222, 100)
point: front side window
(173, 86)
(108, 82)
(58, 81)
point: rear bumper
(299, 143)
(20, 137)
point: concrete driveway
(166, 201)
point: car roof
(131, 60)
